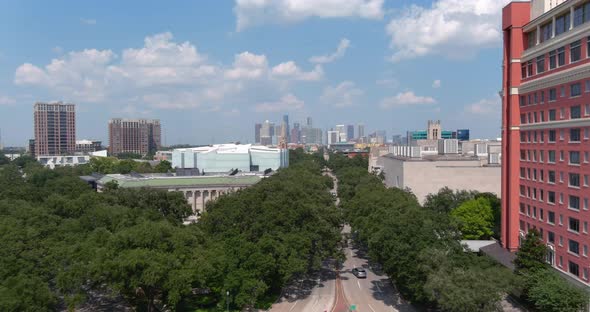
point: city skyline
(200, 67)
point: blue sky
(210, 69)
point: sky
(211, 69)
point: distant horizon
(210, 70)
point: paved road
(316, 295)
(374, 293)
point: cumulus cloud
(256, 12)
(436, 84)
(287, 103)
(454, 28)
(406, 99)
(343, 95)
(487, 106)
(340, 51)
(162, 73)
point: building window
(575, 135)
(551, 177)
(551, 157)
(561, 136)
(552, 59)
(540, 64)
(541, 214)
(552, 137)
(576, 112)
(546, 31)
(552, 94)
(574, 179)
(522, 101)
(574, 157)
(529, 72)
(552, 115)
(562, 24)
(542, 96)
(536, 98)
(574, 225)
(574, 202)
(587, 86)
(561, 56)
(575, 89)
(561, 175)
(574, 269)
(532, 39)
(585, 180)
(551, 237)
(551, 217)
(585, 227)
(575, 51)
(586, 109)
(562, 91)
(585, 254)
(586, 133)
(574, 247)
(578, 16)
(561, 158)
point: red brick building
(55, 129)
(139, 136)
(546, 129)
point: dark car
(359, 272)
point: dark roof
(503, 256)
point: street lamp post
(227, 294)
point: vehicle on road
(359, 272)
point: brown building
(55, 128)
(140, 136)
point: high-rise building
(333, 137)
(296, 133)
(434, 130)
(267, 132)
(309, 122)
(257, 128)
(350, 132)
(139, 136)
(546, 128)
(286, 130)
(361, 131)
(55, 129)
(342, 135)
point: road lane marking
(359, 283)
(370, 307)
(293, 307)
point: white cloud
(5, 100)
(488, 106)
(454, 28)
(340, 51)
(436, 84)
(406, 99)
(256, 12)
(288, 102)
(343, 95)
(290, 70)
(88, 21)
(162, 73)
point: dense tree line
(543, 288)
(418, 247)
(63, 244)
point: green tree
(163, 167)
(532, 253)
(551, 293)
(475, 218)
(4, 160)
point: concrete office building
(139, 136)
(55, 129)
(257, 129)
(296, 133)
(350, 132)
(87, 146)
(286, 129)
(267, 133)
(198, 190)
(226, 157)
(546, 129)
(361, 131)
(333, 137)
(425, 175)
(311, 136)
